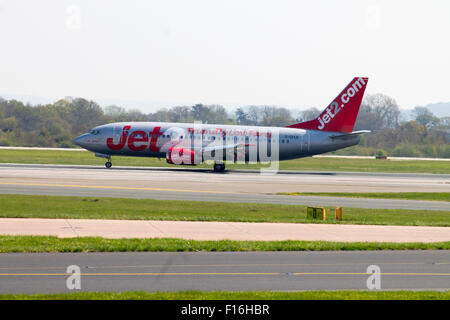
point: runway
(232, 186)
(276, 271)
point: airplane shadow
(227, 171)
(172, 169)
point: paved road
(45, 273)
(235, 186)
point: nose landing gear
(108, 163)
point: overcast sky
(234, 52)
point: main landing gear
(108, 163)
(219, 167)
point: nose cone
(82, 140)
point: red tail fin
(341, 113)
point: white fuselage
(154, 139)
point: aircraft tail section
(340, 115)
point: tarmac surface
(285, 271)
(201, 230)
(231, 186)
(277, 271)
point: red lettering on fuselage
(154, 138)
(137, 136)
(122, 141)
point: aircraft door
(305, 142)
(117, 132)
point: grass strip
(303, 164)
(240, 295)
(433, 196)
(10, 244)
(72, 207)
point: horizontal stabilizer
(349, 135)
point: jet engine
(185, 156)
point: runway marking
(230, 265)
(113, 187)
(145, 274)
(228, 274)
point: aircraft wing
(177, 141)
(227, 147)
(183, 151)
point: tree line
(55, 125)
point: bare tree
(276, 116)
(378, 111)
(254, 114)
(308, 114)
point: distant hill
(440, 109)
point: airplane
(192, 144)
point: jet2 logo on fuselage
(138, 136)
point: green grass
(304, 164)
(65, 207)
(242, 295)
(96, 244)
(435, 196)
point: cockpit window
(94, 132)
